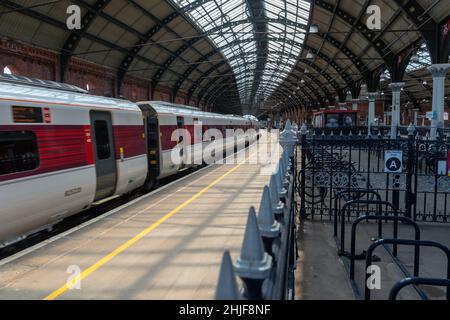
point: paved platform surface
(321, 273)
(167, 245)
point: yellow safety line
(132, 241)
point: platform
(165, 245)
(321, 274)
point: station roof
(341, 56)
(244, 54)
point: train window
(102, 139)
(18, 151)
(180, 122)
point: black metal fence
(335, 162)
(377, 130)
(268, 256)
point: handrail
(341, 193)
(349, 203)
(421, 243)
(380, 218)
(417, 280)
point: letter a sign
(393, 161)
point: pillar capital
(355, 102)
(372, 96)
(396, 86)
(439, 69)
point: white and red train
(62, 149)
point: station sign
(393, 161)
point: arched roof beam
(217, 29)
(161, 24)
(339, 70)
(314, 90)
(75, 36)
(428, 28)
(62, 26)
(379, 45)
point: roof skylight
(231, 27)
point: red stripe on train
(130, 139)
(62, 147)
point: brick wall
(25, 60)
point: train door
(153, 146)
(105, 162)
(181, 142)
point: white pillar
(355, 104)
(438, 71)
(396, 90)
(415, 118)
(371, 112)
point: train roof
(335, 111)
(177, 109)
(39, 91)
(251, 117)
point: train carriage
(197, 130)
(62, 150)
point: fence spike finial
(279, 179)
(253, 262)
(277, 204)
(267, 225)
(227, 288)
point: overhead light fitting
(310, 55)
(313, 28)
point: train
(63, 150)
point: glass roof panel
(231, 27)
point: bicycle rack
(380, 218)
(340, 194)
(417, 243)
(341, 251)
(416, 280)
(312, 196)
